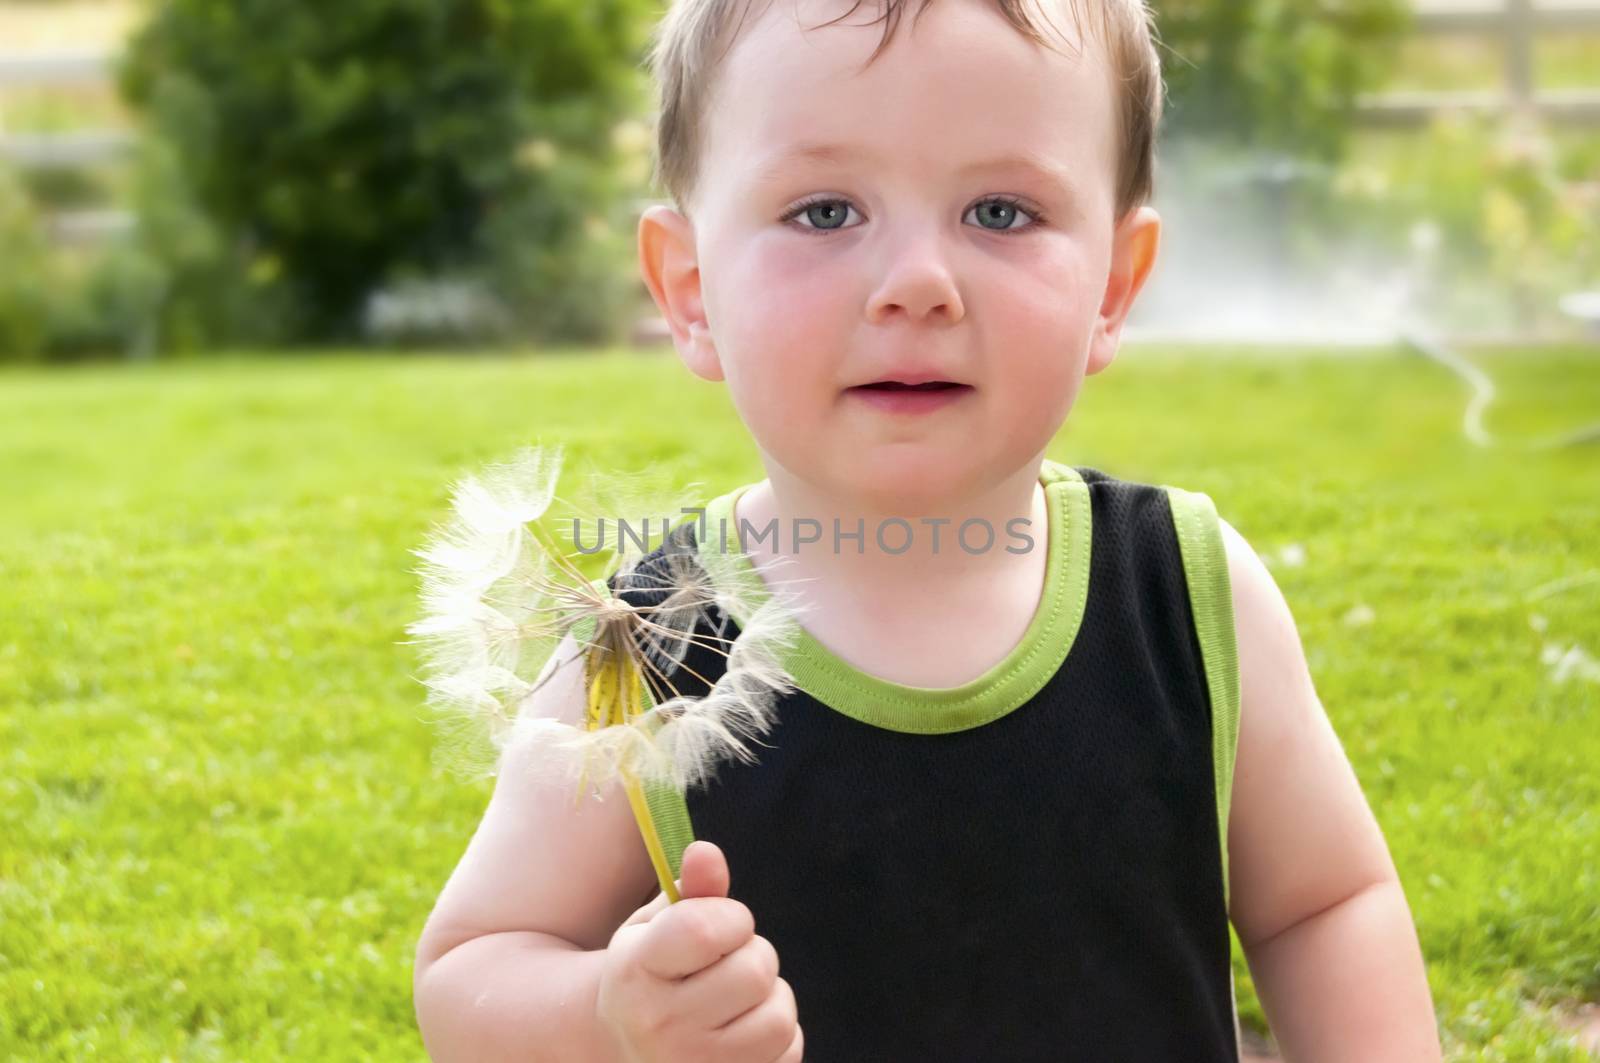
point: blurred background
(179, 177)
(274, 272)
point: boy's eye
(828, 215)
(1004, 210)
(822, 215)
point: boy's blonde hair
(683, 64)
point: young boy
(1025, 781)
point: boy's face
(924, 248)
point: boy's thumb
(703, 871)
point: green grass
(223, 824)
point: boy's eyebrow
(1033, 162)
(1038, 165)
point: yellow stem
(629, 699)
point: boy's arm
(1315, 897)
(508, 964)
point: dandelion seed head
(499, 596)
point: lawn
(223, 820)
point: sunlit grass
(223, 828)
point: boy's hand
(692, 983)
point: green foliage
(212, 288)
(61, 303)
(1276, 74)
(340, 148)
(104, 303)
(1501, 217)
(586, 211)
(24, 303)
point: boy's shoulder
(1131, 503)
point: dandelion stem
(616, 698)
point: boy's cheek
(1055, 317)
(787, 320)
(784, 274)
(774, 351)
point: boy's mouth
(929, 385)
(910, 397)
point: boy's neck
(919, 618)
(897, 550)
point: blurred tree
(338, 148)
(24, 288)
(1280, 75)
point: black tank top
(1030, 866)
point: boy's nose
(917, 282)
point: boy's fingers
(703, 927)
(657, 904)
(694, 934)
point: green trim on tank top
(1205, 564)
(1005, 686)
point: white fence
(1518, 23)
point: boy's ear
(1133, 253)
(672, 273)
